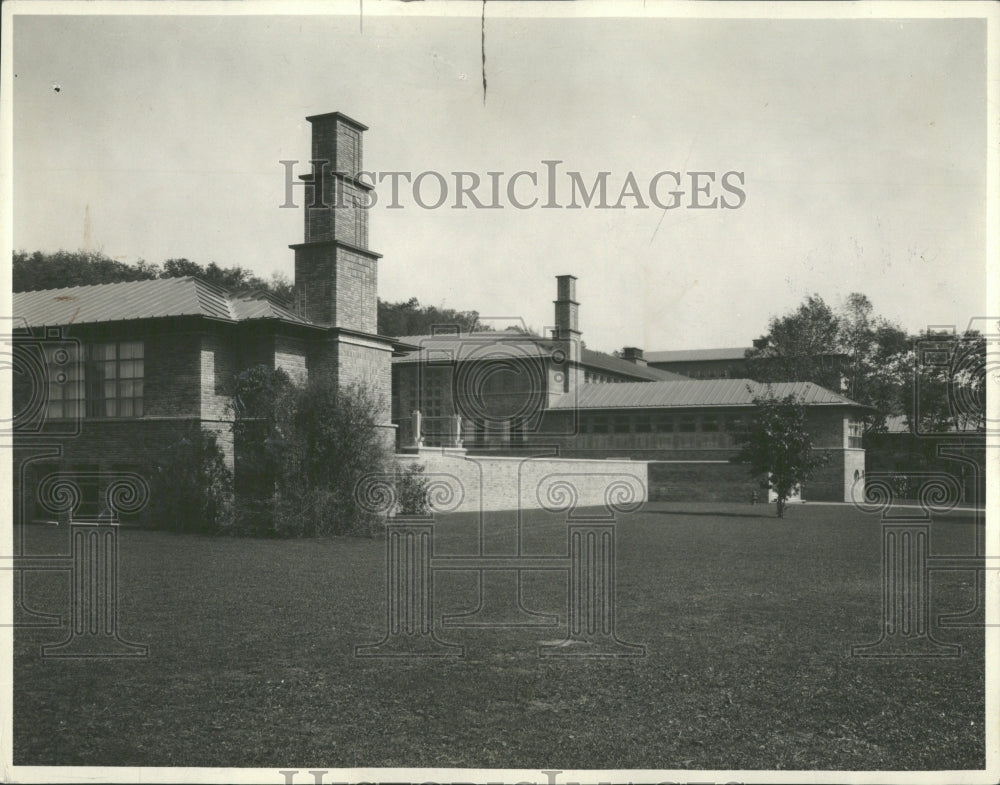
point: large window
(105, 382)
(114, 374)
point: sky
(861, 143)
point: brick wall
(172, 368)
(107, 447)
(357, 292)
(290, 354)
(493, 483)
(219, 364)
(702, 482)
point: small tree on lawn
(777, 444)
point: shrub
(300, 452)
(411, 490)
(192, 487)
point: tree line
(40, 270)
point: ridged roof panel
(691, 393)
(153, 299)
(479, 346)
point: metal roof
(608, 362)
(152, 299)
(451, 347)
(697, 355)
(691, 393)
(502, 345)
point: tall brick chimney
(336, 274)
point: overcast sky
(862, 143)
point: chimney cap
(339, 116)
(566, 276)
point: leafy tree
(777, 444)
(875, 367)
(409, 317)
(39, 270)
(948, 391)
(801, 346)
(850, 350)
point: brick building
(494, 393)
(108, 377)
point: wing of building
(498, 393)
(112, 376)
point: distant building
(731, 363)
(491, 393)
(728, 363)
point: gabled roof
(697, 355)
(153, 299)
(691, 393)
(502, 345)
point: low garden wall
(463, 483)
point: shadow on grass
(713, 513)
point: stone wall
(470, 484)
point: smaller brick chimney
(567, 308)
(566, 374)
(633, 355)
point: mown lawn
(748, 622)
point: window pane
(110, 408)
(128, 350)
(125, 407)
(109, 390)
(124, 389)
(665, 424)
(137, 405)
(103, 351)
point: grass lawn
(748, 622)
